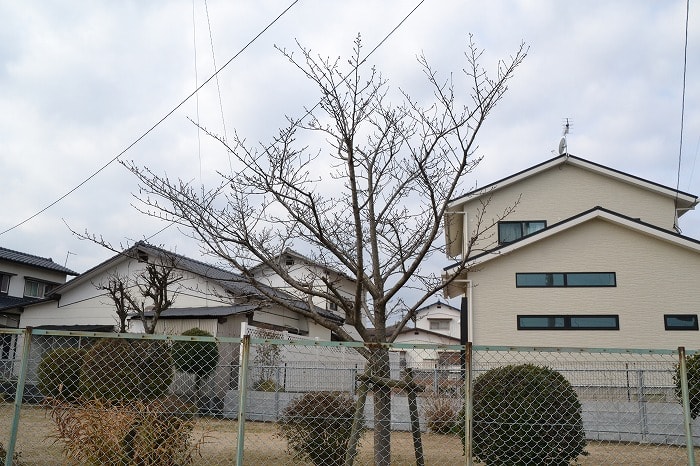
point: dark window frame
(676, 328)
(6, 278)
(522, 228)
(567, 321)
(565, 276)
(44, 287)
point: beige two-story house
(573, 253)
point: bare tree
(370, 203)
(146, 295)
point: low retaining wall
(656, 423)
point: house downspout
(466, 333)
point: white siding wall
(653, 278)
(567, 190)
(22, 271)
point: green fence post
(687, 421)
(19, 394)
(242, 397)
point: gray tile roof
(14, 301)
(32, 260)
(200, 312)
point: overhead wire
(213, 76)
(685, 68)
(154, 126)
(350, 73)
(218, 88)
(196, 97)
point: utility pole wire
(345, 78)
(685, 67)
(146, 133)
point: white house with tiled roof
(587, 256)
(205, 296)
(26, 278)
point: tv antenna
(563, 148)
(65, 263)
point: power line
(685, 67)
(218, 88)
(147, 132)
(196, 98)
(309, 111)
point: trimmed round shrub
(196, 357)
(525, 415)
(59, 373)
(317, 427)
(122, 369)
(692, 366)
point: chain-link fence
(273, 398)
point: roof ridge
(28, 255)
(167, 252)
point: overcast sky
(81, 81)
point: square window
(31, 289)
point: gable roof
(685, 200)
(230, 281)
(440, 303)
(595, 213)
(34, 261)
(203, 312)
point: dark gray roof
(78, 328)
(32, 260)
(11, 302)
(219, 311)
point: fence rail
(95, 398)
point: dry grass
(264, 447)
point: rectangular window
(37, 289)
(4, 283)
(439, 324)
(33, 289)
(569, 322)
(681, 321)
(568, 279)
(511, 231)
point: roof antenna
(563, 148)
(65, 263)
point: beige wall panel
(653, 278)
(178, 326)
(564, 191)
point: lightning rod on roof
(563, 148)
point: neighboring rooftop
(34, 261)
(11, 302)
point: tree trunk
(382, 407)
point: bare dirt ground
(264, 447)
